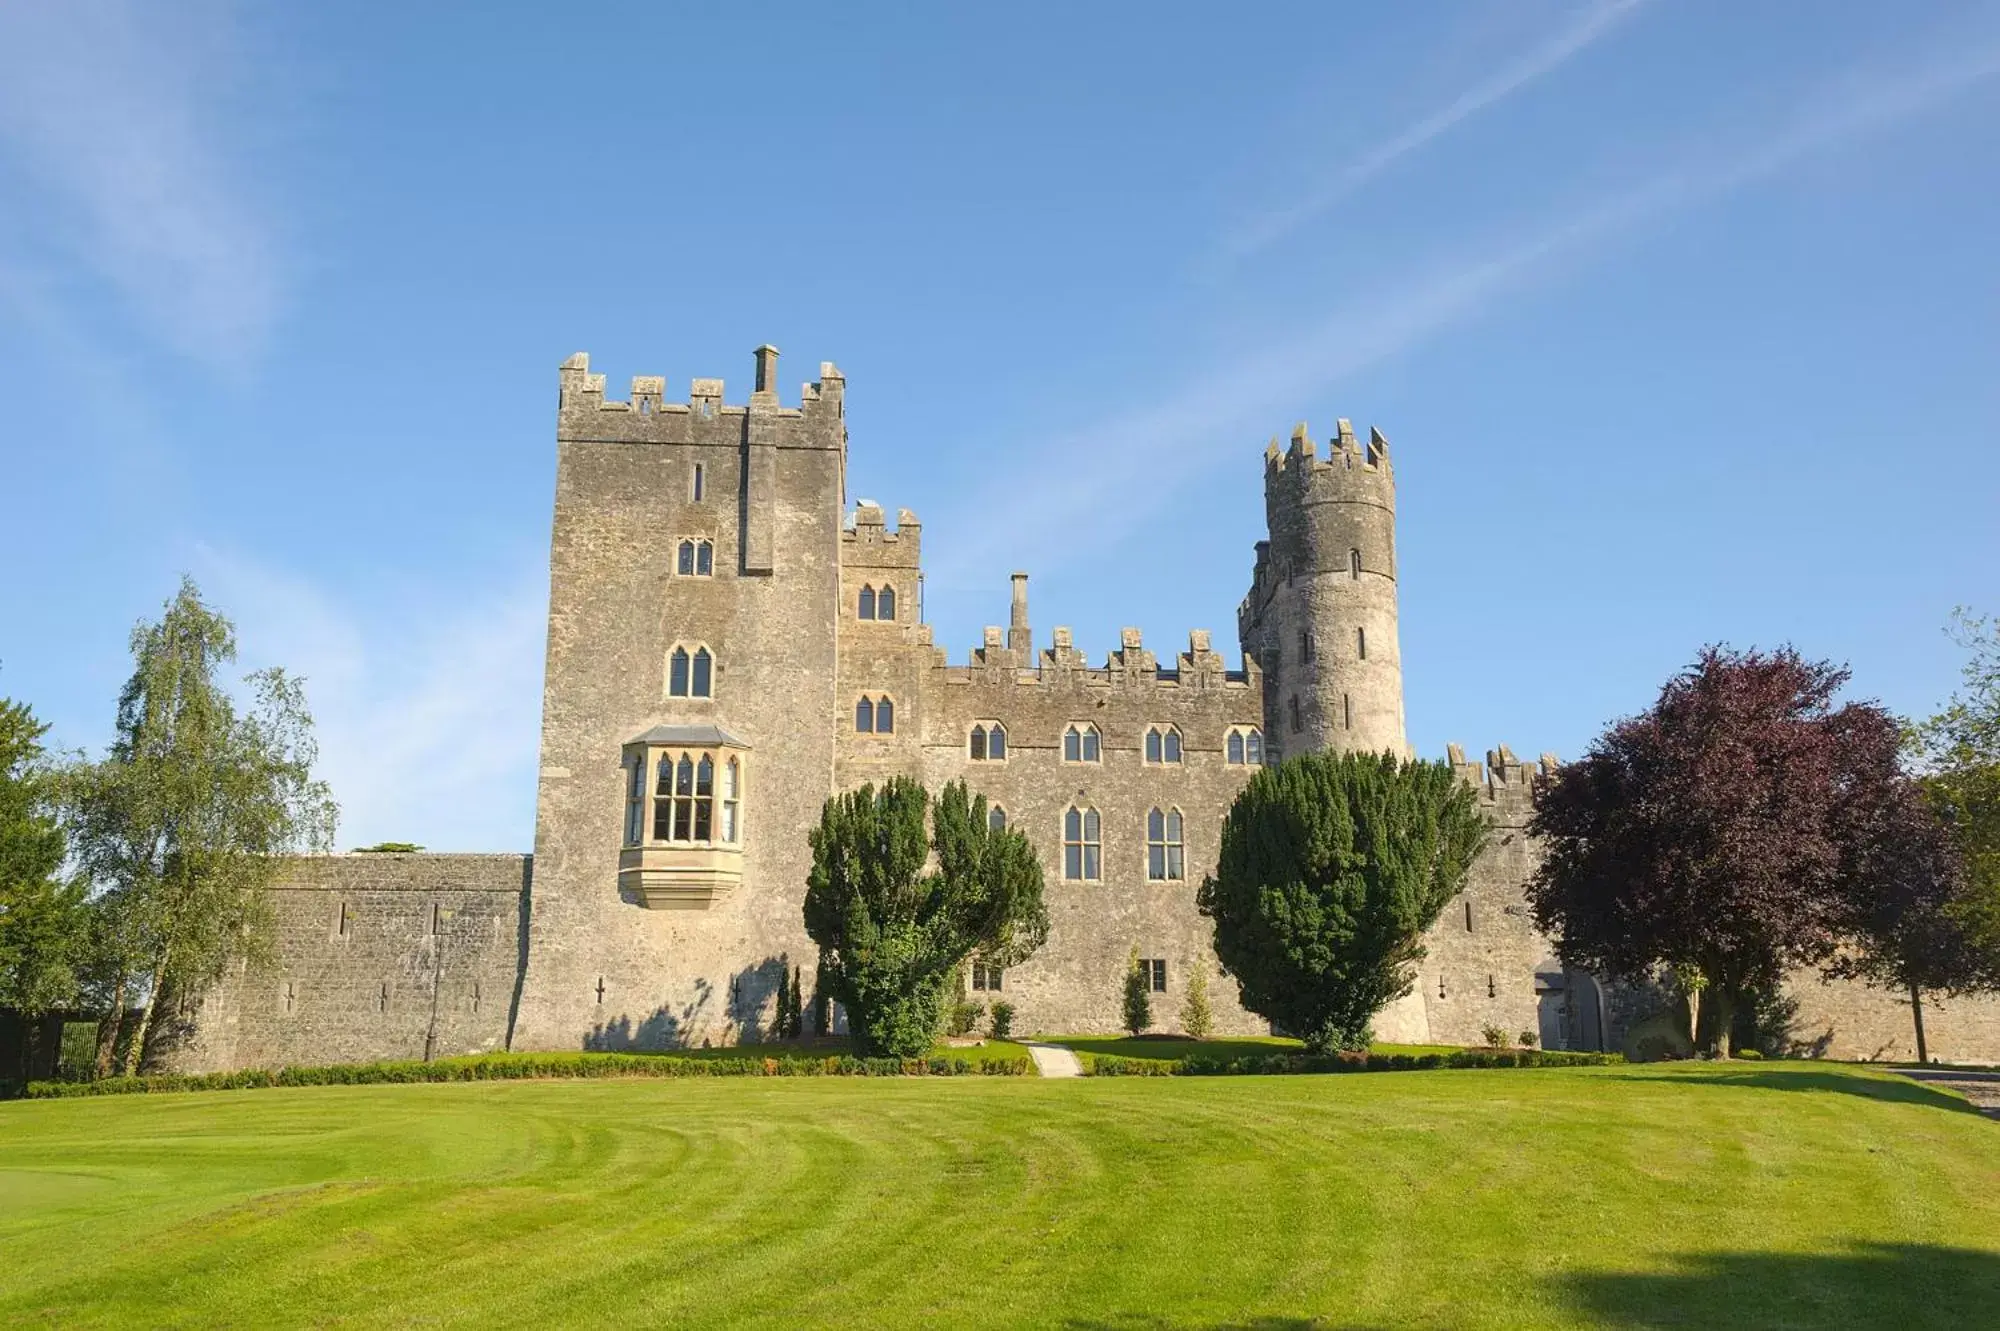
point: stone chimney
(1020, 638)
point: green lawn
(1773, 1195)
(1157, 1046)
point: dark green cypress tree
(1332, 866)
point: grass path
(1773, 1196)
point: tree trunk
(1917, 1011)
(135, 1054)
(1723, 1010)
(107, 1029)
(1694, 1017)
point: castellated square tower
(729, 643)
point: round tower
(1321, 615)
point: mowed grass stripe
(1688, 1196)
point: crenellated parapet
(867, 541)
(646, 416)
(1506, 786)
(1130, 667)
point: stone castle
(728, 644)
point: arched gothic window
(1244, 746)
(695, 558)
(690, 674)
(996, 818)
(885, 717)
(1083, 845)
(988, 743)
(885, 603)
(1163, 744)
(867, 607)
(864, 716)
(1082, 744)
(1165, 849)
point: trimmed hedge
(532, 1067)
(1114, 1065)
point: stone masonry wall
(376, 956)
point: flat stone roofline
(406, 871)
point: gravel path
(1053, 1060)
(1982, 1088)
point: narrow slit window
(1354, 565)
(1361, 644)
(1296, 726)
(1346, 712)
(1305, 646)
(698, 488)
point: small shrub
(1527, 1039)
(1196, 1019)
(1138, 996)
(1656, 1049)
(963, 1018)
(1495, 1037)
(1749, 1053)
(1003, 1020)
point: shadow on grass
(1890, 1089)
(1134, 1322)
(1255, 1324)
(1902, 1286)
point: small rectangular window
(1156, 973)
(698, 488)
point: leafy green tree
(179, 826)
(890, 934)
(1332, 867)
(1196, 1019)
(1138, 995)
(44, 924)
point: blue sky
(1681, 319)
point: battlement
(1301, 462)
(1129, 666)
(868, 541)
(1503, 779)
(584, 392)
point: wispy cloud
(1580, 30)
(428, 716)
(1221, 411)
(116, 127)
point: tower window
(1296, 725)
(875, 716)
(691, 674)
(1244, 745)
(1083, 845)
(1081, 744)
(1163, 744)
(876, 603)
(1468, 915)
(1361, 644)
(1346, 712)
(695, 558)
(1165, 850)
(697, 487)
(1305, 646)
(1354, 564)
(988, 743)
(885, 603)
(866, 610)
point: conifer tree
(890, 934)
(1138, 995)
(782, 1014)
(1332, 867)
(1196, 1019)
